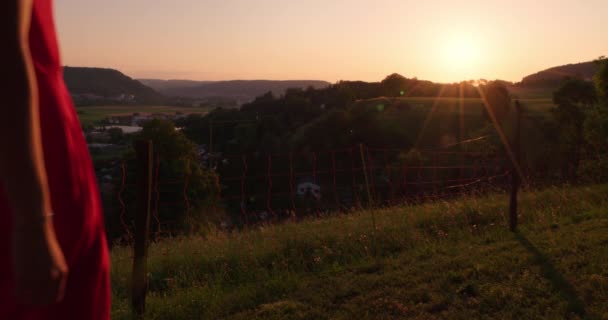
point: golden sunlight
(460, 55)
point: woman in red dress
(53, 256)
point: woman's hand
(40, 267)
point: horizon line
(328, 81)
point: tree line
(348, 113)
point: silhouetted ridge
(553, 77)
(100, 86)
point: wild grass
(447, 259)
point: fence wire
(269, 188)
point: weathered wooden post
(370, 199)
(143, 150)
(210, 136)
(515, 172)
(364, 167)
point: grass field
(89, 115)
(445, 260)
(476, 105)
(471, 106)
(531, 93)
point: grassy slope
(451, 259)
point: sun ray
(429, 116)
(502, 135)
(461, 126)
(461, 111)
(461, 54)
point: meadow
(444, 259)
(90, 115)
(534, 104)
(428, 121)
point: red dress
(74, 195)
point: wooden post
(243, 196)
(435, 176)
(210, 137)
(354, 191)
(515, 179)
(371, 201)
(143, 151)
(333, 170)
(364, 165)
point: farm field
(449, 259)
(89, 115)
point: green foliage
(170, 144)
(177, 161)
(394, 84)
(601, 79)
(575, 92)
(116, 135)
(596, 128)
(594, 169)
(299, 117)
(573, 99)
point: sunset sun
(460, 55)
(461, 51)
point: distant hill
(168, 85)
(94, 86)
(554, 76)
(240, 91)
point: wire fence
(252, 189)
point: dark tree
(572, 99)
(394, 84)
(178, 164)
(601, 79)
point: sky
(442, 41)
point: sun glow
(461, 56)
(461, 51)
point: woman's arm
(21, 162)
(40, 269)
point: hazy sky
(330, 40)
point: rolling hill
(169, 85)
(96, 86)
(99, 86)
(240, 91)
(552, 77)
